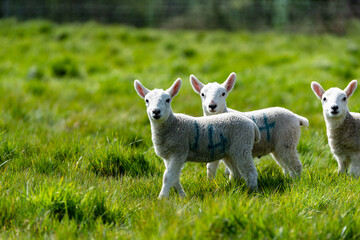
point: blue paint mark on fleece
(212, 146)
(267, 126)
(195, 146)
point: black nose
(335, 107)
(212, 106)
(156, 111)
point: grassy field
(76, 157)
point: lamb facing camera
(279, 127)
(342, 126)
(179, 138)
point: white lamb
(179, 138)
(342, 126)
(279, 127)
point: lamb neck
(333, 124)
(342, 136)
(159, 130)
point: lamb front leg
(355, 165)
(172, 177)
(341, 164)
(211, 168)
(227, 172)
(179, 188)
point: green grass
(76, 157)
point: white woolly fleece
(279, 127)
(179, 138)
(343, 127)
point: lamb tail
(302, 121)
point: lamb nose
(212, 106)
(334, 107)
(156, 111)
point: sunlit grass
(76, 157)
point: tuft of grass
(116, 160)
(65, 201)
(65, 67)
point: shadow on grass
(270, 181)
(273, 183)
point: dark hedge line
(310, 15)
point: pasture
(76, 157)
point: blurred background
(292, 15)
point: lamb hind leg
(244, 167)
(288, 159)
(248, 171)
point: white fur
(179, 138)
(343, 127)
(283, 136)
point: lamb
(279, 127)
(179, 138)
(342, 126)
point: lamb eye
(223, 94)
(324, 99)
(202, 94)
(168, 100)
(344, 99)
(146, 100)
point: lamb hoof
(182, 195)
(253, 189)
(162, 196)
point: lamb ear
(317, 89)
(350, 89)
(175, 88)
(196, 84)
(140, 89)
(230, 82)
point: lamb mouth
(212, 110)
(334, 112)
(156, 117)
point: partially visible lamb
(342, 126)
(179, 138)
(279, 127)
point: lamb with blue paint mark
(342, 126)
(179, 138)
(279, 127)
